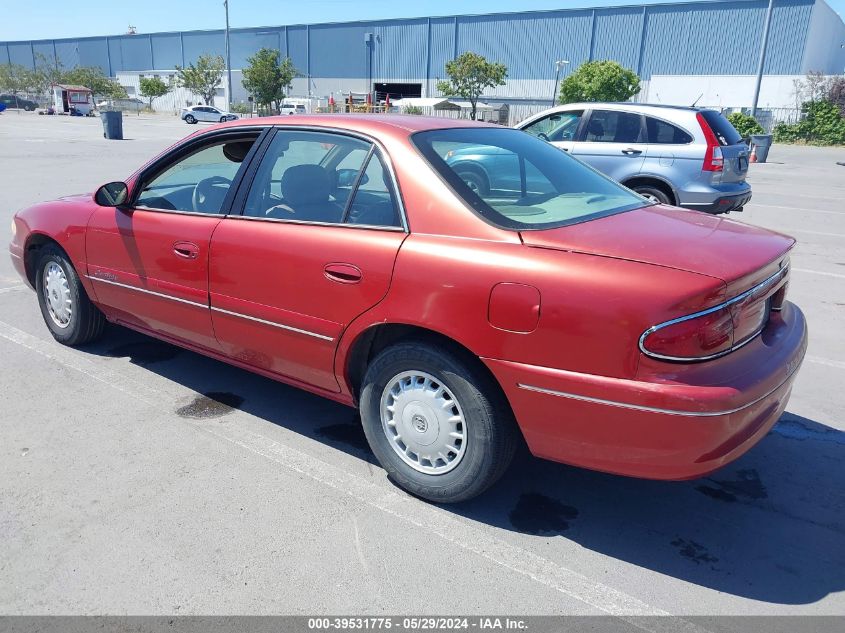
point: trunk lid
(738, 254)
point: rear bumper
(723, 204)
(679, 425)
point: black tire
(223, 119)
(475, 180)
(489, 428)
(190, 119)
(86, 322)
(653, 193)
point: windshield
(516, 181)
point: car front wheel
(68, 312)
(436, 422)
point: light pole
(558, 65)
(228, 60)
(762, 59)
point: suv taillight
(713, 159)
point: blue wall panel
(93, 52)
(44, 53)
(20, 53)
(787, 37)
(244, 44)
(399, 50)
(528, 43)
(298, 47)
(167, 51)
(338, 50)
(201, 42)
(442, 45)
(67, 52)
(616, 35)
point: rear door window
(722, 128)
(613, 126)
(663, 133)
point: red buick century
(466, 286)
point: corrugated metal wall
(712, 38)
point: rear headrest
(595, 128)
(306, 184)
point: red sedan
(364, 258)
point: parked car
(292, 108)
(11, 101)
(206, 113)
(348, 257)
(688, 157)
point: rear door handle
(631, 151)
(186, 250)
(343, 273)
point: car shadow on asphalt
(769, 527)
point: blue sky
(42, 19)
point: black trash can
(112, 125)
(762, 143)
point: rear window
(516, 181)
(722, 128)
(663, 133)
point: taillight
(713, 158)
(718, 330)
(693, 337)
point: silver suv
(688, 157)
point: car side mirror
(346, 177)
(112, 194)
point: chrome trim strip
(149, 292)
(394, 229)
(273, 323)
(639, 407)
(773, 279)
(15, 255)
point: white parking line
(817, 272)
(838, 364)
(777, 206)
(383, 498)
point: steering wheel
(542, 137)
(206, 197)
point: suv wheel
(653, 194)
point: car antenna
(696, 101)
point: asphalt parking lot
(137, 478)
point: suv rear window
(721, 127)
(664, 133)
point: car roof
(623, 105)
(403, 124)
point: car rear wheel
(68, 312)
(438, 425)
(190, 119)
(652, 194)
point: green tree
(153, 87)
(46, 74)
(603, 80)
(93, 78)
(469, 74)
(15, 78)
(268, 77)
(745, 124)
(204, 77)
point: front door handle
(343, 273)
(186, 250)
(631, 151)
